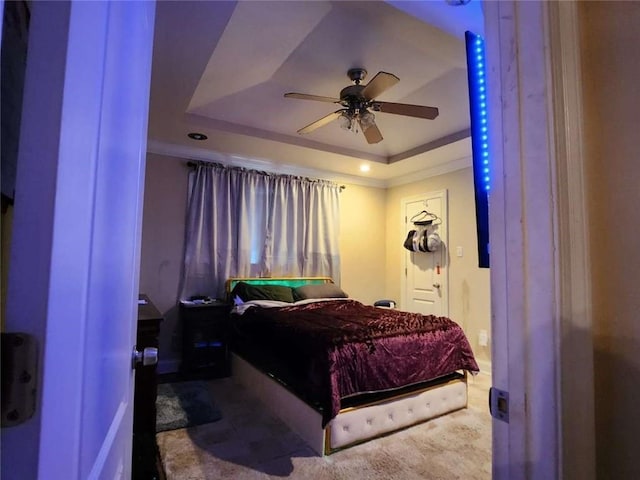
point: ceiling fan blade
(418, 111)
(378, 84)
(372, 134)
(304, 96)
(323, 121)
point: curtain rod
(195, 164)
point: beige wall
(469, 287)
(362, 242)
(165, 204)
(611, 72)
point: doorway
(425, 286)
(518, 451)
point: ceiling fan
(359, 100)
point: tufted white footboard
(351, 425)
(355, 425)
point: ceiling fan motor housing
(357, 75)
(351, 97)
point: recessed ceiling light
(197, 136)
(365, 168)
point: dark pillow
(247, 291)
(324, 290)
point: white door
(425, 273)
(73, 280)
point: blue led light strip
(476, 65)
(478, 103)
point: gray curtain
(246, 223)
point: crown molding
(441, 169)
(266, 165)
(206, 155)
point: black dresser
(146, 464)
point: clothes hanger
(425, 218)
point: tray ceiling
(222, 68)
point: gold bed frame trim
(232, 281)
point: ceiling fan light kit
(358, 100)
(367, 119)
(347, 123)
(351, 120)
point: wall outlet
(483, 338)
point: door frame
(535, 47)
(540, 284)
(70, 161)
(443, 232)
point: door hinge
(499, 404)
(19, 378)
(405, 271)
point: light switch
(458, 251)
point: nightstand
(205, 340)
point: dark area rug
(184, 404)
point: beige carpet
(249, 443)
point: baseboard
(485, 366)
(171, 365)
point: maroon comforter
(341, 348)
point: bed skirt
(352, 425)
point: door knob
(436, 285)
(149, 356)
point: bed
(339, 372)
